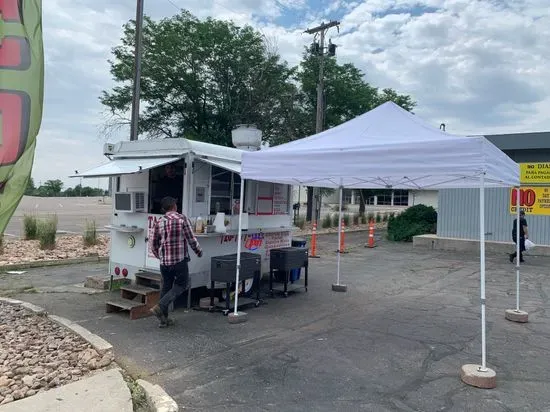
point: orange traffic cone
(371, 234)
(313, 253)
(343, 238)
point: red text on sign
(15, 53)
(15, 112)
(527, 197)
(9, 10)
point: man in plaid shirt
(171, 235)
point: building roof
(520, 141)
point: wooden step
(148, 279)
(148, 296)
(139, 289)
(137, 310)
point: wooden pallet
(137, 310)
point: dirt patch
(66, 247)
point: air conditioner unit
(108, 149)
(129, 202)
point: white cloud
(478, 66)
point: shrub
(90, 234)
(336, 208)
(385, 217)
(47, 229)
(378, 218)
(301, 222)
(30, 227)
(363, 220)
(327, 221)
(370, 216)
(347, 220)
(416, 220)
(356, 218)
(336, 220)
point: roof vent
(247, 137)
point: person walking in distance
(523, 234)
(171, 236)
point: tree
(31, 188)
(200, 79)
(347, 95)
(51, 188)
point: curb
(158, 399)
(59, 262)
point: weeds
(90, 234)
(46, 231)
(30, 227)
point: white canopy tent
(388, 147)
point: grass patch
(90, 234)
(47, 229)
(30, 227)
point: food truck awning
(224, 164)
(125, 166)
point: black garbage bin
(295, 273)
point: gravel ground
(37, 354)
(67, 247)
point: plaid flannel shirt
(171, 235)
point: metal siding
(458, 216)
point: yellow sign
(535, 173)
(532, 200)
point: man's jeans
(175, 281)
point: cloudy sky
(478, 66)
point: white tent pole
(339, 232)
(482, 269)
(518, 203)
(239, 239)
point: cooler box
(295, 273)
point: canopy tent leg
(236, 316)
(517, 315)
(479, 375)
(337, 287)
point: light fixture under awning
(234, 167)
(125, 167)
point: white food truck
(205, 180)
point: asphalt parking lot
(71, 212)
(394, 342)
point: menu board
(280, 199)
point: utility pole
(319, 48)
(134, 131)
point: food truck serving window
(166, 180)
(225, 191)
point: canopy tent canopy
(387, 147)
